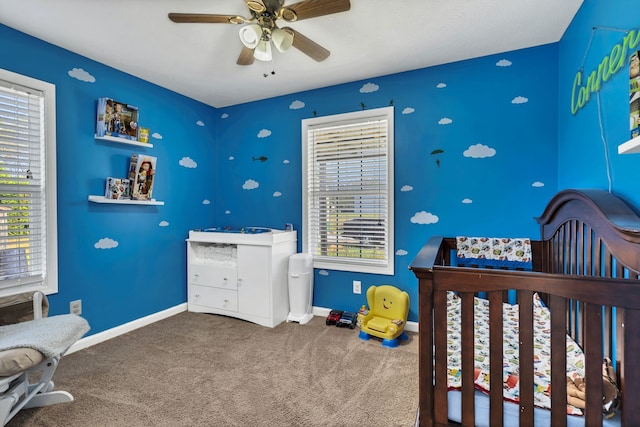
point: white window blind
(348, 184)
(23, 187)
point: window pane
(23, 248)
(348, 185)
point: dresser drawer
(222, 299)
(224, 277)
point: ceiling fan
(262, 29)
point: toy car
(347, 320)
(334, 316)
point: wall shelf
(630, 147)
(102, 199)
(123, 141)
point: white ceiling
(374, 38)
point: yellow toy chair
(388, 310)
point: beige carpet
(206, 370)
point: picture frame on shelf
(117, 188)
(117, 119)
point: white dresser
(242, 275)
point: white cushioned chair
(31, 345)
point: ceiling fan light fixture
(250, 35)
(262, 52)
(282, 39)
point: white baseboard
(127, 327)
(147, 320)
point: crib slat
(630, 371)
(468, 362)
(440, 406)
(593, 363)
(525, 302)
(558, 306)
(495, 359)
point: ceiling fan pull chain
(271, 63)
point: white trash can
(300, 279)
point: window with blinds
(28, 254)
(348, 191)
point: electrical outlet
(75, 307)
(357, 287)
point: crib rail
(586, 267)
(436, 278)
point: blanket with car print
(542, 351)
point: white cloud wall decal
(441, 85)
(503, 63)
(188, 162)
(406, 188)
(467, 201)
(82, 75)
(296, 105)
(156, 135)
(206, 202)
(163, 224)
(250, 185)
(408, 110)
(200, 123)
(264, 133)
(369, 87)
(423, 217)
(479, 151)
(519, 100)
(445, 121)
(224, 116)
(106, 243)
(538, 184)
(401, 252)
(277, 194)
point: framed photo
(117, 119)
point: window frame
(344, 263)
(48, 284)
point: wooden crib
(586, 268)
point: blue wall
(503, 108)
(585, 160)
(145, 272)
(495, 118)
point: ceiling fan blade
(246, 56)
(311, 8)
(205, 18)
(308, 46)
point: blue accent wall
(508, 139)
(140, 268)
(588, 140)
(493, 118)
